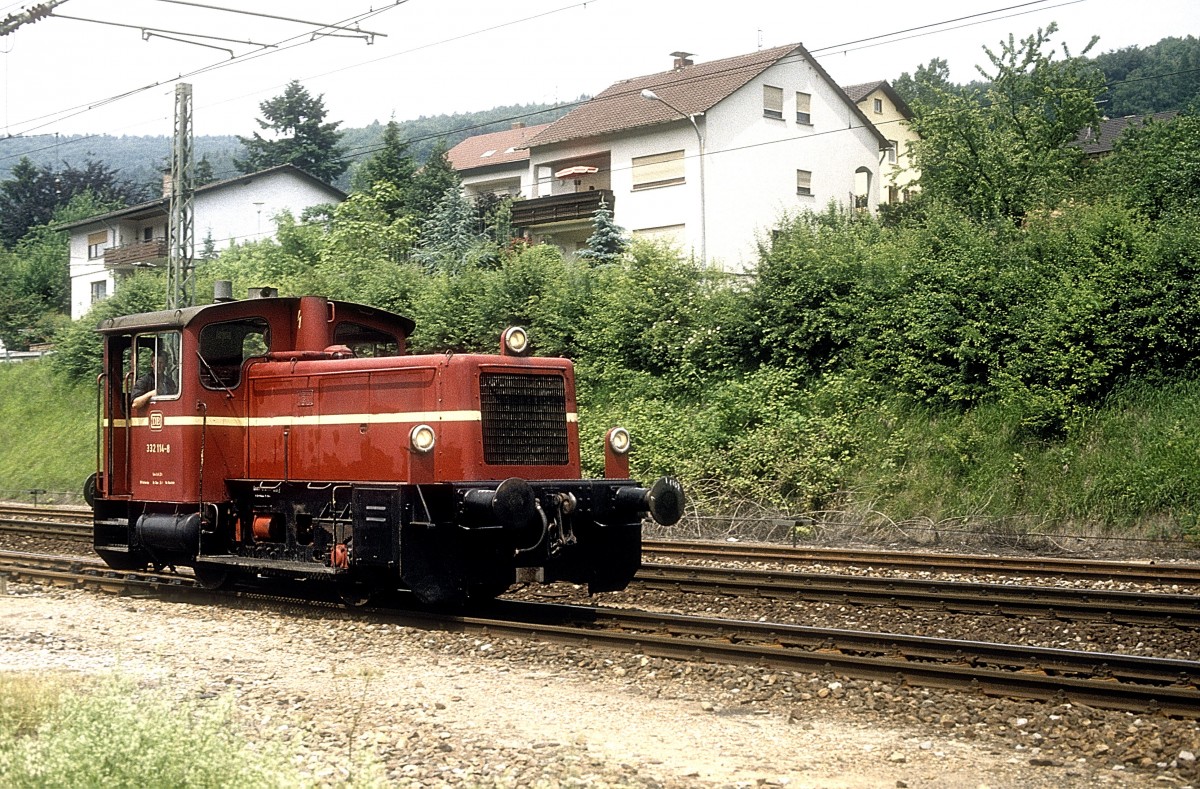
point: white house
(106, 247)
(880, 102)
(707, 156)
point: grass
(61, 732)
(1130, 465)
(47, 430)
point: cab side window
(225, 346)
(155, 365)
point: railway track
(1161, 610)
(1113, 681)
(1068, 604)
(75, 522)
(1136, 572)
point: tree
(302, 138)
(1155, 167)
(204, 172)
(431, 182)
(1155, 79)
(1003, 151)
(606, 244)
(31, 196)
(448, 234)
(392, 164)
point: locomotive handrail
(127, 406)
(100, 424)
(203, 408)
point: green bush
(116, 736)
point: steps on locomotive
(259, 564)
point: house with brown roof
(497, 162)
(1099, 142)
(707, 156)
(107, 247)
(890, 114)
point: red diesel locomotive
(295, 437)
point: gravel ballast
(450, 709)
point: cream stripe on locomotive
(315, 419)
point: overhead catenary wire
(367, 150)
(80, 109)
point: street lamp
(650, 95)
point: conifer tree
(302, 137)
(608, 241)
(392, 164)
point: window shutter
(803, 108)
(659, 169)
(772, 102)
(100, 237)
(803, 182)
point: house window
(99, 291)
(97, 243)
(893, 194)
(878, 106)
(803, 108)
(772, 102)
(660, 169)
(803, 182)
(148, 233)
(894, 146)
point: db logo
(156, 420)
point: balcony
(559, 208)
(137, 252)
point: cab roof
(182, 317)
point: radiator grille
(524, 419)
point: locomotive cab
(297, 437)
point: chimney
(166, 183)
(518, 124)
(682, 59)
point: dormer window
(772, 102)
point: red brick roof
(690, 90)
(505, 147)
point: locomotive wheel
(212, 577)
(122, 561)
(355, 594)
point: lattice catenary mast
(181, 285)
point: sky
(428, 57)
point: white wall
(750, 166)
(238, 212)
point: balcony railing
(559, 208)
(137, 252)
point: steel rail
(1108, 680)
(65, 530)
(1162, 610)
(78, 514)
(1140, 572)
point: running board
(275, 565)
